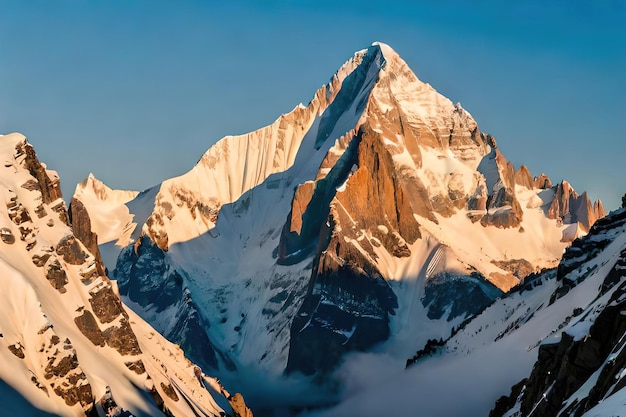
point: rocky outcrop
(56, 275)
(88, 326)
(542, 182)
(569, 207)
(136, 267)
(81, 227)
(346, 308)
(50, 188)
(503, 208)
(239, 407)
(121, 338)
(71, 250)
(521, 268)
(523, 178)
(53, 333)
(106, 305)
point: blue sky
(136, 91)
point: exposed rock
(106, 305)
(7, 236)
(17, 349)
(449, 295)
(18, 213)
(239, 407)
(377, 193)
(40, 260)
(88, 326)
(137, 366)
(582, 250)
(169, 391)
(567, 365)
(61, 211)
(31, 185)
(50, 187)
(71, 250)
(562, 368)
(518, 267)
(40, 211)
(155, 227)
(301, 199)
(74, 394)
(81, 227)
(122, 338)
(311, 205)
(346, 308)
(503, 208)
(523, 178)
(505, 403)
(570, 207)
(56, 275)
(60, 368)
(542, 182)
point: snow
(33, 311)
(476, 353)
(580, 330)
(611, 407)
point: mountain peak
(381, 191)
(387, 50)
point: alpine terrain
(378, 218)
(68, 345)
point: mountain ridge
(393, 201)
(67, 343)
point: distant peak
(91, 179)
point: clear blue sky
(136, 91)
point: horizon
(135, 92)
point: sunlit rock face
(570, 207)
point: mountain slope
(379, 213)
(583, 372)
(68, 345)
(566, 329)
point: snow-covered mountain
(557, 340)
(68, 346)
(377, 217)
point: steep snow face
(187, 206)
(67, 344)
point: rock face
(136, 265)
(570, 207)
(47, 182)
(64, 332)
(81, 227)
(376, 211)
